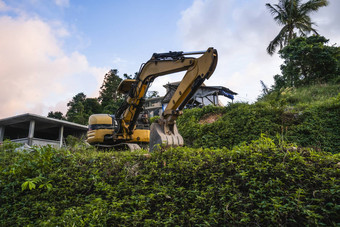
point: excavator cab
(125, 86)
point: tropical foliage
(108, 101)
(308, 61)
(257, 184)
(108, 96)
(293, 16)
(57, 115)
(308, 116)
(81, 107)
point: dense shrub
(240, 122)
(308, 122)
(259, 184)
(317, 126)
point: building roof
(176, 84)
(203, 91)
(47, 120)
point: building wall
(38, 130)
(37, 142)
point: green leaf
(31, 185)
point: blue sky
(122, 29)
(53, 49)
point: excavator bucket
(159, 138)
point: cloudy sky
(50, 50)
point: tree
(126, 76)
(152, 94)
(308, 61)
(109, 99)
(76, 108)
(293, 15)
(56, 115)
(265, 89)
(92, 106)
(80, 108)
(108, 90)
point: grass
(314, 94)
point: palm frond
(272, 9)
(277, 41)
(293, 16)
(303, 29)
(313, 5)
(277, 12)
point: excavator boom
(119, 129)
(164, 131)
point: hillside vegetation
(260, 184)
(308, 116)
(238, 169)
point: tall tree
(293, 15)
(92, 106)
(108, 96)
(108, 90)
(76, 109)
(80, 108)
(308, 61)
(56, 115)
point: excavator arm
(165, 131)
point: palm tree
(293, 16)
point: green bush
(263, 183)
(302, 96)
(317, 126)
(240, 122)
(313, 122)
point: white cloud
(240, 31)
(62, 3)
(34, 67)
(37, 74)
(327, 21)
(3, 6)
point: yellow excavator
(120, 130)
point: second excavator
(120, 129)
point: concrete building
(33, 129)
(154, 106)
